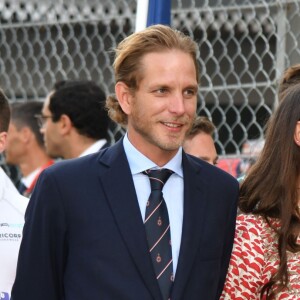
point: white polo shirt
(12, 209)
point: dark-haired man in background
(73, 120)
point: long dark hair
(270, 188)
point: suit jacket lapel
(195, 201)
(119, 188)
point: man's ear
(3, 138)
(26, 134)
(124, 96)
(65, 124)
(297, 134)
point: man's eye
(161, 90)
(190, 92)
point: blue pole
(159, 12)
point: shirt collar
(27, 180)
(138, 162)
(94, 147)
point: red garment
(29, 190)
(255, 258)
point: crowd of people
(151, 216)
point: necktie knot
(158, 178)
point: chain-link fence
(244, 46)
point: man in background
(199, 141)
(74, 121)
(25, 147)
(12, 209)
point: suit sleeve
(43, 250)
(228, 240)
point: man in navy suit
(84, 234)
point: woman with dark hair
(265, 261)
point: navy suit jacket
(84, 236)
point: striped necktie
(158, 230)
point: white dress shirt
(94, 147)
(28, 180)
(172, 191)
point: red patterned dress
(255, 258)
